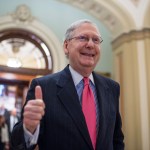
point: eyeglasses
(83, 38)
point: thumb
(38, 92)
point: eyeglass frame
(84, 38)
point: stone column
(132, 69)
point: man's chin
(89, 65)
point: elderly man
(74, 109)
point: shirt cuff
(31, 139)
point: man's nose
(90, 42)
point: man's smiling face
(83, 49)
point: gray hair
(74, 26)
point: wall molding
(131, 36)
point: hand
(34, 111)
(6, 146)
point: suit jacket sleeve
(17, 141)
(118, 135)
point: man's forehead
(88, 30)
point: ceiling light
(14, 62)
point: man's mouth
(87, 54)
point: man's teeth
(91, 55)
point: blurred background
(31, 37)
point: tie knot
(86, 81)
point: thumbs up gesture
(34, 111)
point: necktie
(89, 110)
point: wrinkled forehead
(87, 28)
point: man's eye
(83, 38)
(97, 40)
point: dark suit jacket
(63, 126)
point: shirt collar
(78, 77)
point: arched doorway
(27, 49)
(23, 57)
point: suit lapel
(103, 95)
(69, 98)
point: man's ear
(65, 46)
